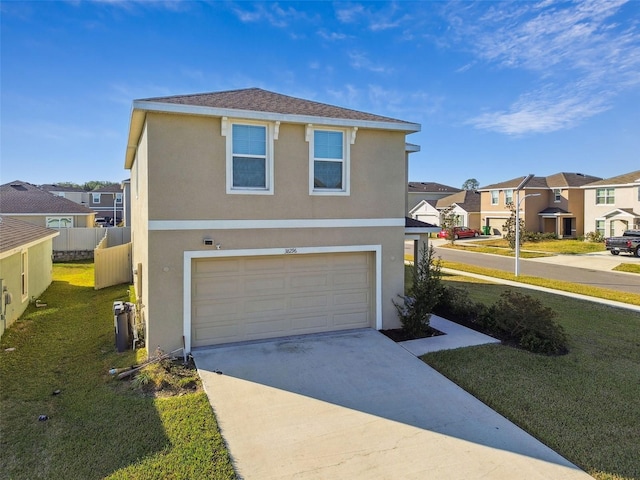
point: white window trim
(606, 196)
(272, 134)
(557, 195)
(48, 221)
(94, 196)
(506, 197)
(348, 139)
(497, 197)
(118, 198)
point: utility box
(122, 325)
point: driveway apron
(356, 405)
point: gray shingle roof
(22, 198)
(430, 187)
(557, 180)
(258, 100)
(51, 187)
(15, 233)
(467, 199)
(624, 179)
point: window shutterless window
(96, 197)
(328, 163)
(600, 227)
(508, 196)
(494, 197)
(605, 196)
(557, 194)
(118, 198)
(249, 159)
(24, 275)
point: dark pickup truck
(629, 242)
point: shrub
(594, 237)
(423, 295)
(538, 236)
(524, 321)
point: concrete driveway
(356, 405)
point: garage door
(248, 298)
(496, 225)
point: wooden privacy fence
(112, 265)
(78, 239)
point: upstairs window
(557, 195)
(494, 197)
(329, 163)
(249, 163)
(508, 196)
(605, 196)
(118, 198)
(95, 198)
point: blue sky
(500, 89)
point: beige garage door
(496, 225)
(248, 298)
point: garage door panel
(264, 297)
(360, 299)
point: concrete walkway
(356, 405)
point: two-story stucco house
(259, 215)
(557, 207)
(612, 205)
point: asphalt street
(586, 276)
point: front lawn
(94, 428)
(628, 267)
(564, 246)
(585, 405)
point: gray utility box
(123, 324)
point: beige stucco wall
(186, 160)
(40, 270)
(625, 197)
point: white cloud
(331, 36)
(360, 61)
(585, 52)
(272, 13)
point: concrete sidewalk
(357, 405)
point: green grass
(565, 246)
(585, 405)
(615, 295)
(96, 428)
(628, 267)
(507, 252)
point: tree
(423, 295)
(448, 220)
(510, 227)
(470, 184)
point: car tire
(456, 237)
(476, 234)
(615, 252)
(637, 252)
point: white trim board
(189, 256)
(158, 225)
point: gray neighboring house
(27, 202)
(26, 266)
(108, 202)
(466, 207)
(75, 194)
(429, 192)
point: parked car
(460, 232)
(629, 242)
(101, 222)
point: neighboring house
(258, 215)
(108, 203)
(25, 266)
(466, 207)
(31, 204)
(427, 191)
(612, 205)
(75, 194)
(126, 201)
(426, 211)
(558, 207)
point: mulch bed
(399, 335)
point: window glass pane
(327, 174)
(249, 172)
(249, 140)
(327, 144)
